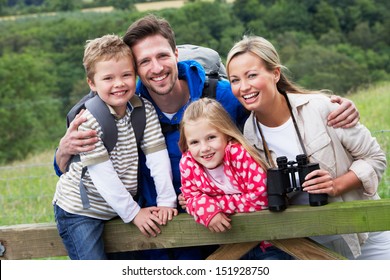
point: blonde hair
(104, 48)
(217, 117)
(267, 53)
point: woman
(287, 120)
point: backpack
(208, 58)
(215, 71)
(106, 120)
(211, 62)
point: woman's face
(252, 84)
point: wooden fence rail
(30, 241)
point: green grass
(373, 105)
(27, 187)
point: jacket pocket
(320, 150)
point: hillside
(27, 186)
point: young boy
(111, 178)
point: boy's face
(114, 81)
(156, 64)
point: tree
(323, 20)
(60, 5)
(29, 116)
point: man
(170, 86)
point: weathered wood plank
(42, 240)
(311, 251)
(232, 251)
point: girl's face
(252, 84)
(205, 143)
(114, 81)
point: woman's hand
(320, 181)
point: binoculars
(279, 183)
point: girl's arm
(199, 205)
(251, 180)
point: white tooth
(159, 78)
(249, 96)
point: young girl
(220, 172)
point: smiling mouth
(209, 156)
(159, 78)
(251, 95)
(119, 93)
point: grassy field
(27, 187)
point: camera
(279, 183)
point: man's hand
(345, 116)
(147, 222)
(75, 142)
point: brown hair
(147, 26)
(104, 48)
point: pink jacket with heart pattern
(205, 199)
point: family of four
(208, 167)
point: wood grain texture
(42, 240)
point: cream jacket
(336, 150)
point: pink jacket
(205, 200)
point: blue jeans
(81, 235)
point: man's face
(156, 64)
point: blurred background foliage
(338, 45)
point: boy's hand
(220, 223)
(345, 116)
(147, 222)
(165, 214)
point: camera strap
(265, 146)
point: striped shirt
(124, 158)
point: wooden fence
(285, 230)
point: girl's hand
(220, 223)
(182, 201)
(320, 181)
(165, 214)
(147, 222)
